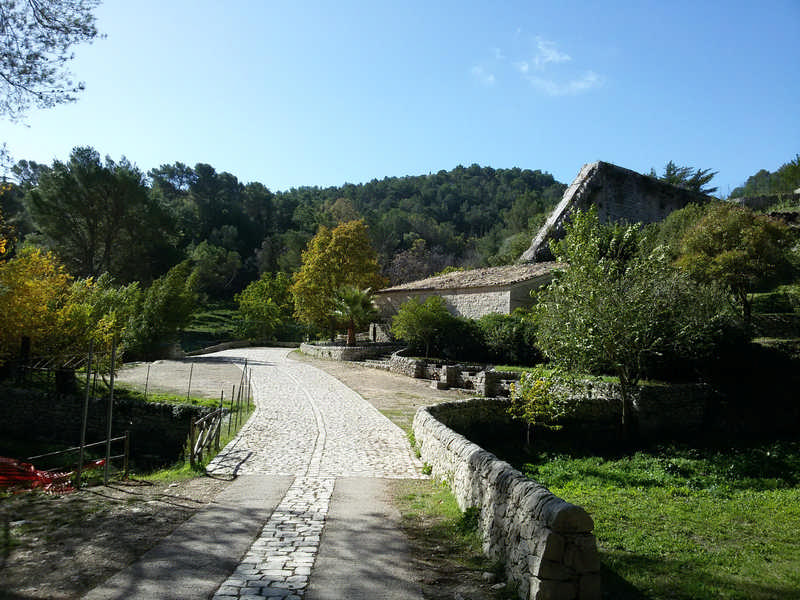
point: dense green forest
(100, 215)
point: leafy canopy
(337, 257)
(36, 40)
(34, 287)
(264, 305)
(734, 247)
(99, 217)
(539, 399)
(687, 178)
(620, 308)
(419, 323)
(785, 179)
(354, 309)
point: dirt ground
(59, 547)
(202, 376)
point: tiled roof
(478, 278)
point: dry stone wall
(546, 544)
(158, 431)
(342, 352)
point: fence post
(110, 408)
(127, 454)
(189, 387)
(219, 421)
(85, 414)
(239, 406)
(147, 382)
(191, 442)
(230, 412)
(249, 387)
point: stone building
(619, 194)
(472, 293)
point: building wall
(619, 194)
(472, 303)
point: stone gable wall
(619, 194)
(546, 544)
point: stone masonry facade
(620, 195)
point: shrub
(419, 324)
(510, 339)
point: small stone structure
(619, 194)
(474, 293)
(546, 544)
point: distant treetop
(687, 177)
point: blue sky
(323, 93)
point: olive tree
(615, 309)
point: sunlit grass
(683, 522)
(183, 469)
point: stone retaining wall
(158, 431)
(346, 353)
(595, 410)
(546, 544)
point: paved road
(310, 426)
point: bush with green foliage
(420, 324)
(265, 309)
(460, 339)
(510, 339)
(737, 248)
(539, 399)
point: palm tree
(354, 309)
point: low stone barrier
(158, 431)
(346, 353)
(546, 544)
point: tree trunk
(351, 334)
(626, 413)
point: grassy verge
(184, 470)
(130, 392)
(445, 541)
(689, 522)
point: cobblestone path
(309, 425)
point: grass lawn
(689, 522)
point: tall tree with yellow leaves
(33, 287)
(334, 258)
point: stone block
(581, 554)
(590, 587)
(549, 589)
